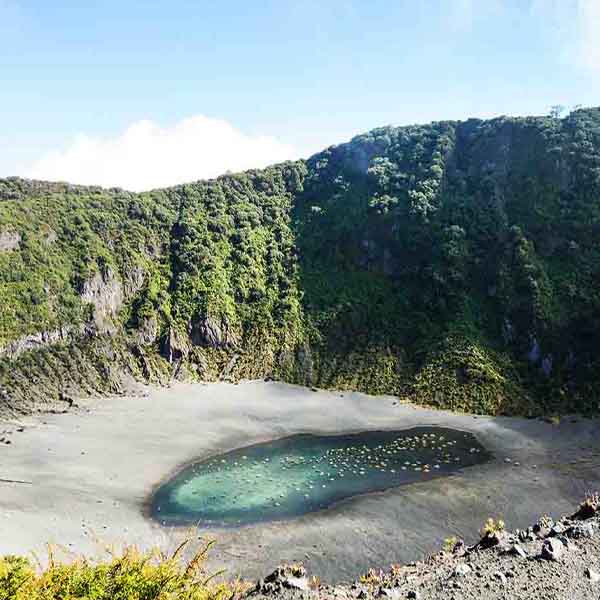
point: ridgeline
(454, 264)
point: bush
(492, 526)
(131, 575)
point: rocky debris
(567, 543)
(588, 508)
(175, 346)
(285, 577)
(495, 538)
(501, 577)
(526, 535)
(517, 550)
(520, 565)
(459, 548)
(462, 570)
(581, 530)
(212, 333)
(103, 365)
(104, 292)
(9, 240)
(552, 549)
(148, 330)
(36, 341)
(557, 529)
(134, 278)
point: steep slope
(454, 263)
(549, 559)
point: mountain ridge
(451, 263)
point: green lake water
(299, 474)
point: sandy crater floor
(92, 471)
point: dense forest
(453, 264)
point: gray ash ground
(79, 488)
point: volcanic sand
(86, 476)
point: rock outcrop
(104, 291)
(9, 240)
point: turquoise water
(302, 473)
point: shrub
(492, 526)
(589, 506)
(131, 575)
(449, 544)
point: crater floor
(84, 479)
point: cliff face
(454, 263)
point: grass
(492, 526)
(128, 575)
(154, 575)
(449, 544)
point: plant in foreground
(492, 526)
(449, 544)
(130, 575)
(589, 506)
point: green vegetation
(589, 506)
(492, 526)
(454, 264)
(131, 575)
(449, 544)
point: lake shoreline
(262, 485)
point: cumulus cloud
(147, 156)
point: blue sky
(141, 94)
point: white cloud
(147, 156)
